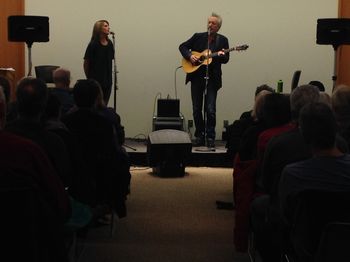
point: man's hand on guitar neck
(221, 52)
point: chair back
(314, 211)
(295, 79)
(334, 243)
(29, 230)
(45, 72)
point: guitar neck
(225, 51)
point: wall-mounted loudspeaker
(333, 31)
(28, 29)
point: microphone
(208, 30)
(112, 33)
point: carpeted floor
(169, 219)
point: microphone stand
(206, 88)
(334, 77)
(116, 85)
(30, 64)
(205, 96)
(115, 77)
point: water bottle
(279, 86)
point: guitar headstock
(241, 47)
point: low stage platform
(200, 156)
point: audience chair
(29, 230)
(317, 215)
(251, 247)
(334, 243)
(80, 219)
(112, 224)
(295, 79)
(45, 72)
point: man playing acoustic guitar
(203, 69)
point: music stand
(28, 29)
(335, 32)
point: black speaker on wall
(333, 31)
(29, 29)
(168, 152)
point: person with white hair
(206, 79)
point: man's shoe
(210, 143)
(199, 141)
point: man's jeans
(198, 93)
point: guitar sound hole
(201, 59)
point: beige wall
(281, 35)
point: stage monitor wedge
(28, 29)
(333, 31)
(168, 151)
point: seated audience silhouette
(61, 78)
(236, 130)
(119, 133)
(97, 142)
(340, 101)
(6, 87)
(327, 170)
(23, 164)
(281, 150)
(11, 106)
(273, 114)
(112, 116)
(31, 102)
(81, 183)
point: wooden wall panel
(11, 53)
(343, 53)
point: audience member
(327, 170)
(290, 146)
(22, 159)
(31, 101)
(6, 87)
(248, 143)
(244, 167)
(341, 106)
(114, 118)
(236, 130)
(271, 112)
(285, 148)
(96, 139)
(325, 98)
(277, 116)
(11, 106)
(242, 135)
(81, 184)
(248, 114)
(61, 78)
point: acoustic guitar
(206, 57)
